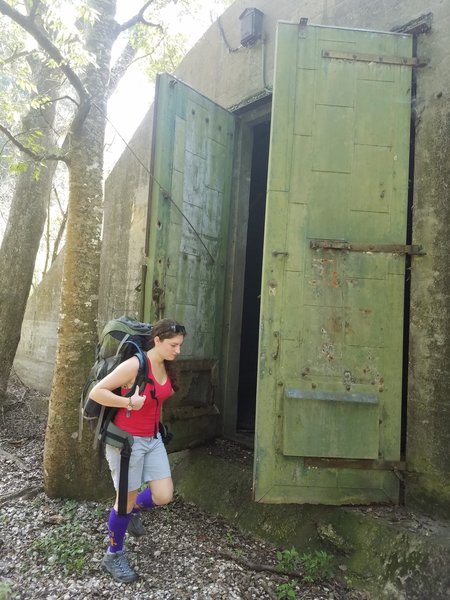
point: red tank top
(144, 422)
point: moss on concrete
(386, 558)
(221, 487)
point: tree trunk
(70, 467)
(23, 233)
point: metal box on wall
(251, 26)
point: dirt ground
(52, 548)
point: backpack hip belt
(117, 437)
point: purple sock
(117, 527)
(144, 500)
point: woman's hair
(165, 329)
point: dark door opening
(248, 362)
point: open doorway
(248, 362)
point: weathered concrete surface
(35, 357)
(429, 373)
(124, 229)
(429, 382)
(394, 555)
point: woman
(140, 416)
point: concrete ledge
(387, 551)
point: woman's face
(169, 348)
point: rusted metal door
(193, 141)
(331, 342)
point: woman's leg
(157, 493)
(161, 490)
(144, 500)
(156, 473)
(115, 560)
(118, 524)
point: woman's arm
(123, 375)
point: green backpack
(120, 339)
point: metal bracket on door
(349, 463)
(410, 249)
(407, 61)
(158, 299)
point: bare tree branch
(151, 24)
(147, 55)
(123, 62)
(61, 210)
(65, 97)
(61, 229)
(128, 55)
(34, 9)
(29, 152)
(138, 18)
(17, 54)
(47, 238)
(19, 462)
(28, 492)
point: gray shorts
(148, 462)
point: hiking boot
(116, 563)
(135, 527)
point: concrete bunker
(231, 79)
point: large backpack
(120, 339)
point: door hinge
(397, 466)
(276, 335)
(421, 24)
(406, 61)
(158, 298)
(410, 249)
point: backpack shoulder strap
(142, 374)
(125, 340)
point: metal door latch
(410, 249)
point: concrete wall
(124, 228)
(232, 76)
(429, 369)
(36, 353)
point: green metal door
(193, 141)
(331, 341)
